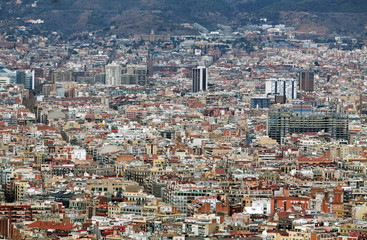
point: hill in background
(126, 17)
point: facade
(29, 80)
(61, 76)
(285, 87)
(6, 76)
(260, 102)
(113, 74)
(134, 74)
(20, 77)
(283, 204)
(16, 212)
(4, 81)
(117, 75)
(27, 211)
(25, 77)
(180, 196)
(100, 78)
(307, 81)
(281, 124)
(199, 79)
(152, 37)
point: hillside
(126, 17)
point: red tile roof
(51, 225)
(220, 171)
(313, 160)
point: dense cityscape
(255, 133)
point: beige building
(359, 210)
(112, 186)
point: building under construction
(282, 124)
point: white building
(259, 207)
(286, 87)
(113, 74)
(80, 154)
(4, 81)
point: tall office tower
(199, 79)
(284, 123)
(25, 77)
(29, 80)
(20, 77)
(286, 87)
(307, 81)
(134, 74)
(113, 74)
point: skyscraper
(199, 79)
(307, 81)
(27, 78)
(29, 81)
(113, 74)
(20, 77)
(285, 87)
(134, 74)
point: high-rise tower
(113, 74)
(199, 79)
(307, 81)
